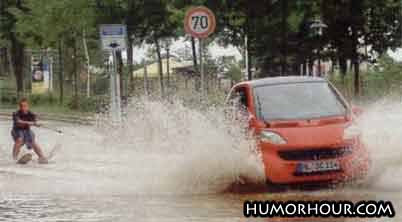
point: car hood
(312, 134)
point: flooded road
(167, 164)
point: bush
(85, 104)
(8, 98)
(42, 99)
(381, 80)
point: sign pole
(200, 22)
(113, 38)
(202, 74)
(112, 89)
(115, 90)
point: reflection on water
(171, 163)
(219, 207)
(39, 208)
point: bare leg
(17, 148)
(37, 150)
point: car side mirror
(358, 111)
(254, 122)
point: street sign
(113, 37)
(199, 22)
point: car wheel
(276, 188)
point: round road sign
(199, 22)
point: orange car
(305, 130)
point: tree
(65, 18)
(14, 46)
(161, 23)
(354, 25)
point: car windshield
(307, 100)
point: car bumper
(279, 171)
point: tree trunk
(84, 42)
(343, 67)
(61, 73)
(310, 67)
(355, 63)
(356, 68)
(284, 36)
(10, 62)
(75, 74)
(160, 67)
(17, 61)
(305, 68)
(3, 61)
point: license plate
(318, 166)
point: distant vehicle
(305, 130)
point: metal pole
(145, 77)
(201, 44)
(115, 109)
(249, 77)
(112, 89)
(319, 64)
(118, 91)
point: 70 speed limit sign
(199, 22)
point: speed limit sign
(199, 22)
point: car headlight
(271, 137)
(351, 132)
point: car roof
(284, 80)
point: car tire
(276, 188)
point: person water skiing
(22, 134)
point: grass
(48, 109)
(375, 85)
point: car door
(238, 102)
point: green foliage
(8, 98)
(234, 73)
(49, 21)
(278, 32)
(85, 104)
(383, 79)
(43, 99)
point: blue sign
(113, 36)
(114, 30)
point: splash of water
(179, 149)
(166, 147)
(381, 126)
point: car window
(297, 101)
(238, 97)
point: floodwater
(168, 162)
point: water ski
(52, 152)
(26, 158)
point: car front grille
(315, 154)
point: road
(176, 170)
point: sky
(140, 52)
(397, 54)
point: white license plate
(318, 166)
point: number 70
(200, 21)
